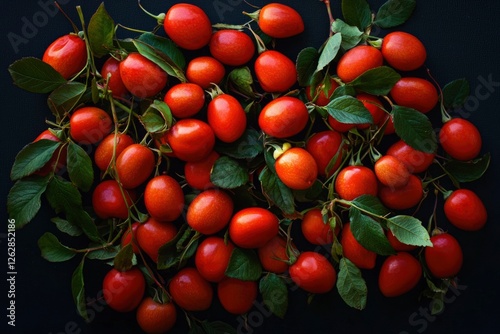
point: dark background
(462, 41)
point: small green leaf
(409, 230)
(104, 254)
(101, 31)
(66, 227)
(35, 76)
(377, 81)
(244, 264)
(343, 91)
(394, 12)
(349, 110)
(33, 157)
(248, 146)
(468, 171)
(216, 327)
(277, 192)
(52, 250)
(306, 64)
(79, 167)
(82, 219)
(351, 35)
(227, 173)
(157, 118)
(166, 46)
(414, 128)
(456, 93)
(24, 199)
(124, 259)
(357, 13)
(78, 290)
(274, 294)
(329, 52)
(65, 97)
(170, 254)
(371, 204)
(241, 80)
(351, 285)
(369, 233)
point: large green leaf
(394, 12)
(244, 264)
(35, 76)
(409, 230)
(33, 157)
(101, 31)
(351, 285)
(357, 13)
(414, 128)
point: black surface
(462, 41)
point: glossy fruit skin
(460, 139)
(191, 139)
(205, 71)
(275, 72)
(372, 103)
(280, 21)
(58, 159)
(212, 258)
(358, 60)
(123, 290)
(324, 146)
(231, 47)
(338, 126)
(321, 97)
(314, 229)
(111, 68)
(130, 237)
(417, 93)
(164, 198)
(415, 161)
(354, 251)
(283, 117)
(141, 76)
(354, 181)
(237, 296)
(445, 258)
(399, 274)
(253, 227)
(403, 51)
(465, 210)
(188, 26)
(227, 118)
(313, 273)
(156, 318)
(89, 125)
(389, 125)
(296, 168)
(104, 151)
(134, 165)
(402, 198)
(152, 234)
(273, 255)
(185, 99)
(190, 290)
(197, 173)
(210, 211)
(108, 202)
(67, 55)
(391, 172)
(398, 245)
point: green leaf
(351, 35)
(101, 31)
(394, 12)
(166, 46)
(241, 80)
(277, 192)
(227, 173)
(468, 171)
(274, 294)
(78, 290)
(66, 227)
(217, 327)
(244, 264)
(377, 81)
(306, 64)
(170, 254)
(371, 204)
(23, 201)
(157, 118)
(52, 250)
(369, 233)
(124, 259)
(63, 196)
(343, 91)
(79, 167)
(349, 110)
(351, 285)
(329, 52)
(83, 220)
(35, 76)
(33, 157)
(248, 146)
(409, 230)
(65, 97)
(456, 93)
(357, 13)
(414, 128)
(104, 254)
